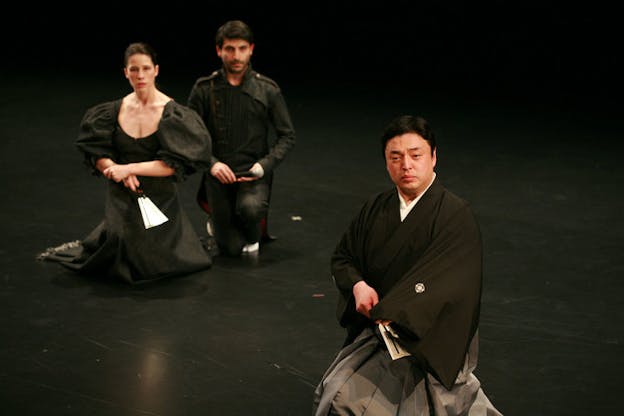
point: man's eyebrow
(409, 150)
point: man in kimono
(409, 272)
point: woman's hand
(132, 182)
(116, 172)
(119, 173)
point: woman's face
(141, 71)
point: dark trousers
(237, 210)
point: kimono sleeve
(346, 271)
(348, 262)
(95, 134)
(185, 142)
(437, 301)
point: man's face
(235, 54)
(410, 164)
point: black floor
(254, 338)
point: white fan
(152, 216)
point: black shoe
(210, 245)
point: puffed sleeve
(185, 142)
(96, 132)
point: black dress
(120, 246)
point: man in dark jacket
(408, 270)
(252, 132)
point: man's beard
(231, 69)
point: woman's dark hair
(234, 29)
(142, 48)
(407, 124)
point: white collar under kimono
(406, 208)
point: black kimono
(427, 271)
(120, 246)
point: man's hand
(223, 173)
(365, 298)
(256, 171)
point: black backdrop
(531, 50)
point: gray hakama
(364, 380)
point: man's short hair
(407, 124)
(234, 29)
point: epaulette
(261, 77)
(201, 80)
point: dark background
(524, 98)
(538, 51)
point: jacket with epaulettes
(265, 113)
